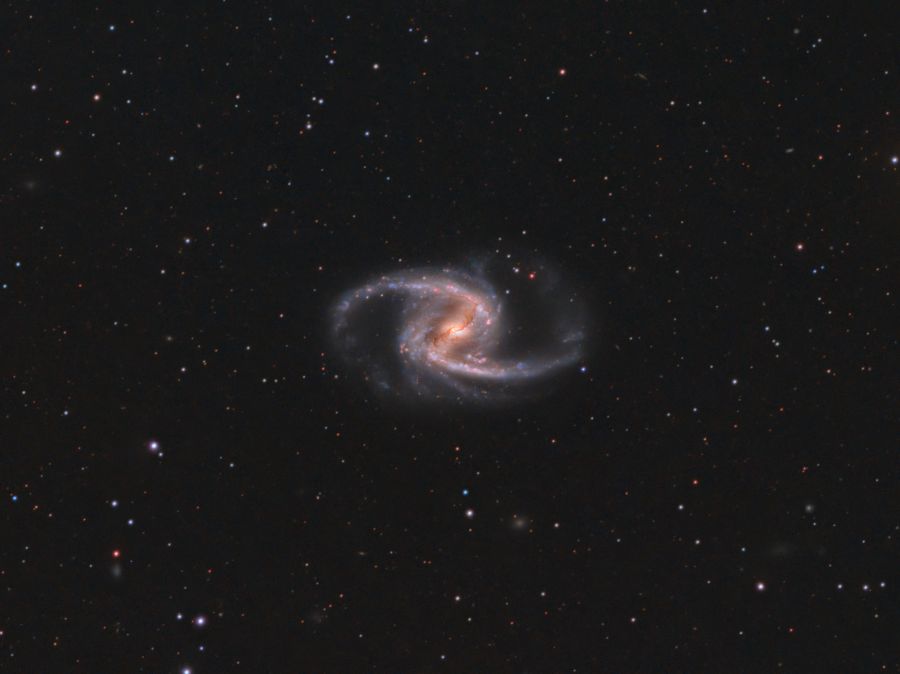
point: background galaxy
(682, 217)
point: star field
(268, 270)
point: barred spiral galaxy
(444, 331)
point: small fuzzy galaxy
(447, 333)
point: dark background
(716, 492)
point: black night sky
(449, 337)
